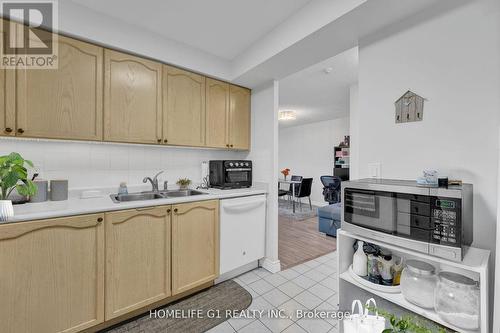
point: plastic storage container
(418, 282)
(456, 300)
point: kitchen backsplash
(96, 164)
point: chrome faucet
(154, 181)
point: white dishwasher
(242, 231)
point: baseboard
(270, 265)
(238, 271)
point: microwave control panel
(445, 214)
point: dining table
(290, 182)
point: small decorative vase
(285, 177)
(183, 187)
(6, 210)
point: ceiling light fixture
(287, 115)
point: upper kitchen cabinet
(132, 99)
(183, 107)
(217, 122)
(52, 275)
(65, 103)
(7, 99)
(239, 118)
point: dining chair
(304, 191)
(296, 179)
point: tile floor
(308, 286)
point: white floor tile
(261, 286)
(251, 291)
(276, 325)
(301, 269)
(294, 329)
(289, 274)
(249, 277)
(334, 301)
(304, 281)
(290, 308)
(330, 282)
(255, 327)
(325, 269)
(311, 264)
(239, 323)
(222, 328)
(314, 325)
(276, 297)
(321, 291)
(275, 279)
(261, 272)
(308, 300)
(291, 289)
(261, 304)
(315, 275)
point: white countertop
(75, 205)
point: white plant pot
(6, 210)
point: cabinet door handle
(175, 210)
(20, 131)
(159, 140)
(168, 211)
(165, 140)
(231, 146)
(99, 219)
(8, 130)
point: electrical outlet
(374, 170)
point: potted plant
(13, 175)
(183, 183)
(406, 324)
(285, 172)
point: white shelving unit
(474, 265)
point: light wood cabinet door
(132, 99)
(52, 275)
(65, 103)
(217, 108)
(137, 259)
(183, 107)
(239, 118)
(195, 244)
(7, 96)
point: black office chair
(331, 188)
(305, 191)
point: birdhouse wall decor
(409, 107)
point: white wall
(82, 22)
(264, 154)
(307, 150)
(92, 164)
(453, 60)
(354, 130)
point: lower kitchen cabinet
(195, 244)
(137, 259)
(52, 275)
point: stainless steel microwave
(437, 221)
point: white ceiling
(317, 96)
(224, 28)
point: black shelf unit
(341, 162)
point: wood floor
(300, 241)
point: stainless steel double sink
(140, 196)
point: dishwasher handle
(244, 206)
